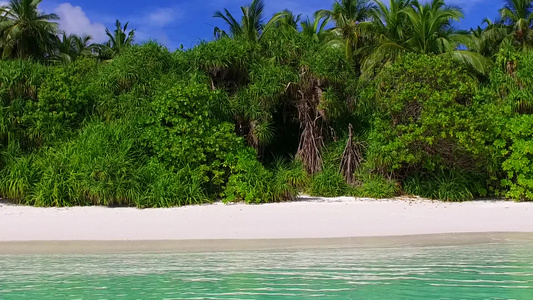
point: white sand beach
(309, 218)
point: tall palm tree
(409, 26)
(518, 15)
(25, 32)
(388, 30)
(250, 26)
(346, 12)
(390, 22)
(517, 11)
(348, 15)
(119, 39)
(431, 27)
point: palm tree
(409, 26)
(346, 12)
(390, 22)
(517, 11)
(119, 40)
(387, 31)
(486, 41)
(286, 18)
(348, 15)
(250, 26)
(431, 27)
(315, 29)
(72, 46)
(25, 32)
(518, 15)
(83, 45)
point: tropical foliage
(365, 98)
(25, 32)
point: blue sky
(176, 22)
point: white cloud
(163, 16)
(73, 20)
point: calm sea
(484, 271)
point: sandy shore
(308, 218)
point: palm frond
(476, 61)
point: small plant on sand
(328, 183)
(446, 185)
(376, 186)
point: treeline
(389, 100)
(27, 33)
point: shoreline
(308, 221)
(205, 246)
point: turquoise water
(487, 271)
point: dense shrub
(447, 185)
(328, 183)
(126, 85)
(64, 102)
(20, 80)
(512, 114)
(151, 128)
(105, 165)
(182, 132)
(518, 162)
(376, 186)
(19, 84)
(250, 181)
(428, 118)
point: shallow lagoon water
(479, 271)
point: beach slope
(309, 218)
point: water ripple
(495, 271)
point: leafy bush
(127, 84)
(251, 182)
(20, 79)
(428, 118)
(38, 111)
(512, 115)
(64, 102)
(19, 84)
(182, 132)
(328, 183)
(226, 59)
(376, 186)
(518, 158)
(18, 174)
(151, 128)
(105, 165)
(446, 185)
(289, 179)
(136, 68)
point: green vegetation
(390, 100)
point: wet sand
(177, 246)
